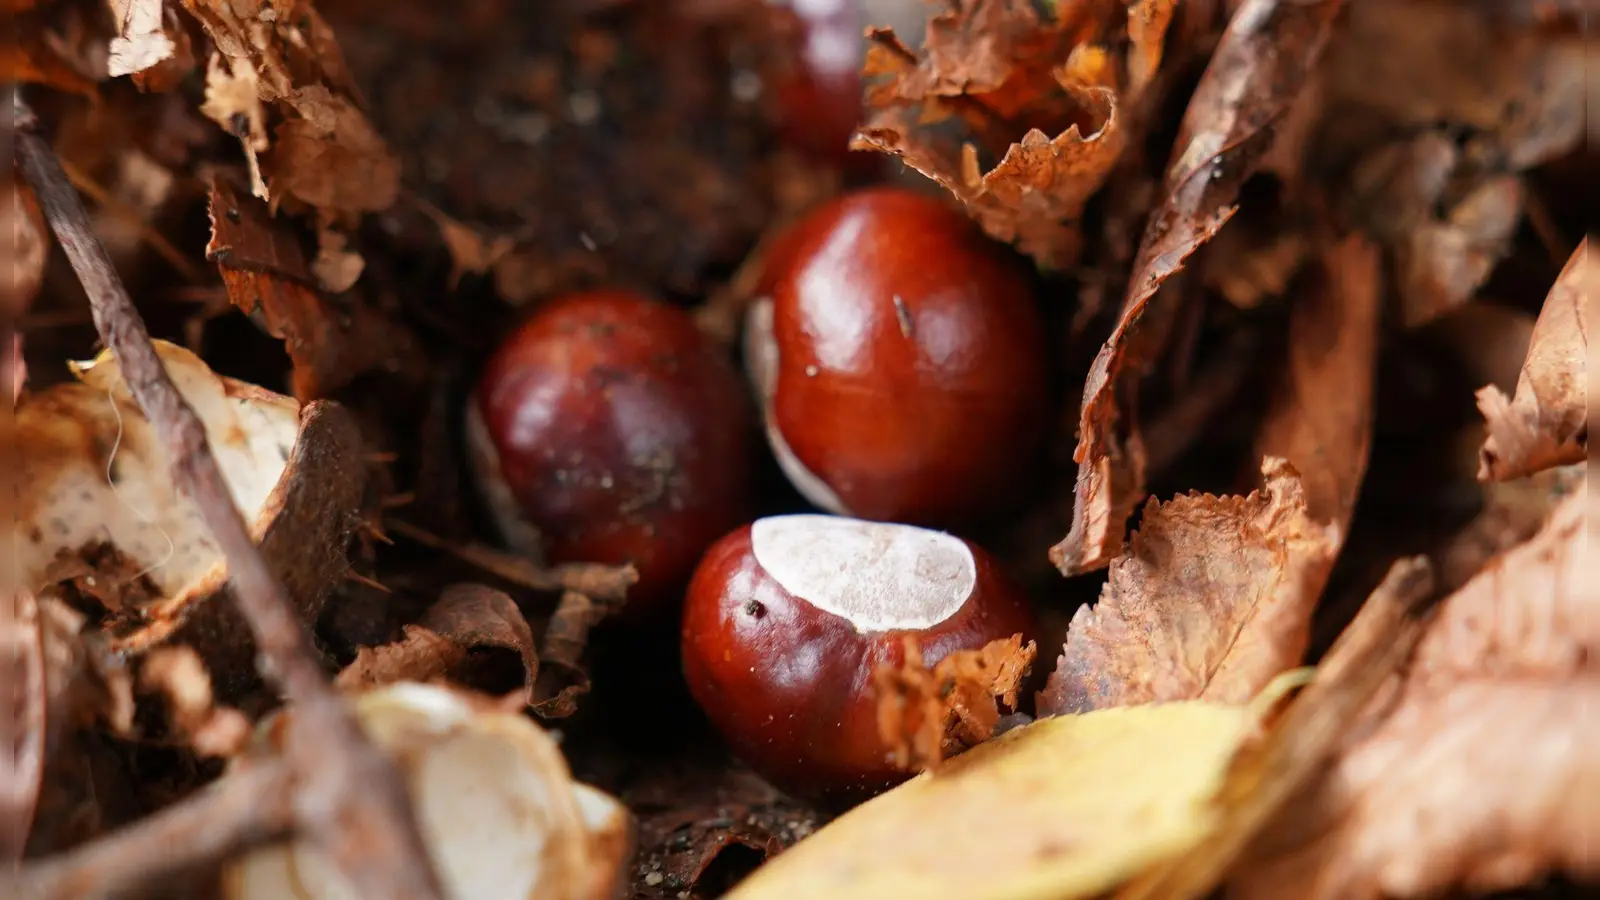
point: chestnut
(819, 94)
(900, 361)
(786, 619)
(608, 428)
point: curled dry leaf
(1321, 418)
(96, 474)
(1546, 423)
(496, 803)
(926, 714)
(1477, 771)
(467, 617)
(178, 674)
(1212, 601)
(1262, 62)
(331, 342)
(1016, 78)
(1063, 808)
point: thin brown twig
(244, 809)
(350, 800)
(601, 582)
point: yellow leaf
(1065, 807)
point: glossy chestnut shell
(607, 428)
(787, 681)
(901, 361)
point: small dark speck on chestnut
(900, 360)
(607, 428)
(790, 689)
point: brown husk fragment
(1474, 770)
(1212, 601)
(467, 617)
(928, 714)
(1259, 67)
(71, 436)
(1546, 423)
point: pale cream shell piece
(496, 802)
(879, 576)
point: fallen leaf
(96, 472)
(1546, 422)
(1016, 78)
(332, 341)
(178, 674)
(564, 678)
(1259, 67)
(1212, 601)
(331, 158)
(1065, 807)
(1320, 419)
(1474, 774)
(926, 715)
(467, 617)
(1272, 767)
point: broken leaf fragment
(1065, 807)
(926, 714)
(496, 803)
(1212, 600)
(1477, 771)
(1546, 423)
(97, 492)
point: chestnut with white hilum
(899, 361)
(787, 618)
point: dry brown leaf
(1477, 772)
(927, 715)
(1321, 418)
(1546, 423)
(29, 57)
(1212, 601)
(266, 275)
(331, 158)
(1015, 79)
(467, 617)
(178, 675)
(1257, 71)
(564, 678)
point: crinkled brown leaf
(1257, 71)
(467, 617)
(564, 677)
(1014, 79)
(1478, 772)
(1212, 601)
(178, 675)
(1321, 418)
(140, 42)
(926, 715)
(1546, 423)
(331, 341)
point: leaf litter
(1322, 218)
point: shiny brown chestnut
(608, 428)
(900, 361)
(819, 95)
(787, 618)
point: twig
(350, 800)
(601, 582)
(248, 807)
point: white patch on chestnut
(761, 362)
(879, 576)
(483, 461)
